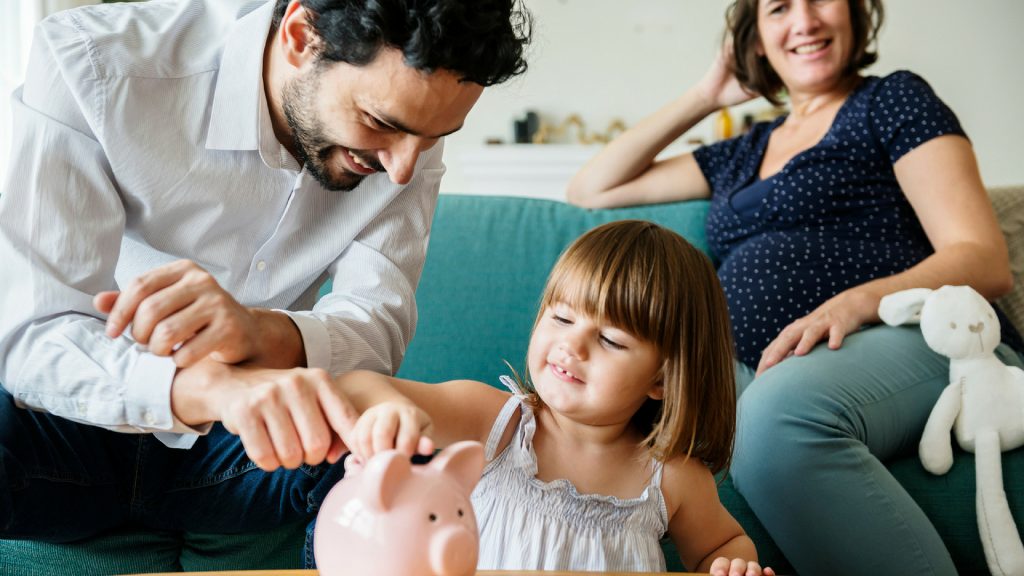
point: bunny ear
(382, 478)
(464, 461)
(903, 307)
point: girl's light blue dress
(527, 524)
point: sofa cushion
(140, 551)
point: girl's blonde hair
(650, 282)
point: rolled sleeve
(61, 224)
(315, 339)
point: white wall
(624, 58)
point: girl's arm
(625, 173)
(397, 414)
(941, 180)
(708, 538)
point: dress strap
(659, 467)
(513, 385)
(498, 429)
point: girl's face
(807, 42)
(592, 373)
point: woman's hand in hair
(719, 85)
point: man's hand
(179, 309)
(283, 417)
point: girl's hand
(722, 566)
(842, 314)
(719, 85)
(401, 426)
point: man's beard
(313, 148)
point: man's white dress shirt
(142, 136)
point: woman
(868, 186)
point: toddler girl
(628, 410)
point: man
(194, 170)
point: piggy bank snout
(453, 551)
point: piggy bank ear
(463, 461)
(382, 478)
(903, 307)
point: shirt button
(261, 265)
(149, 418)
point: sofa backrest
(488, 259)
(1009, 205)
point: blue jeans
(62, 481)
(812, 434)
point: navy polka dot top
(834, 216)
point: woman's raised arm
(625, 173)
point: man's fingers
(167, 317)
(340, 413)
(104, 301)
(283, 435)
(257, 444)
(192, 350)
(312, 428)
(138, 290)
(337, 449)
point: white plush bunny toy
(983, 404)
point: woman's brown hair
(757, 75)
(650, 282)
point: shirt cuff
(148, 402)
(315, 339)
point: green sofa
(488, 259)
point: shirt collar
(235, 114)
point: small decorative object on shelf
(551, 132)
(525, 129)
(723, 124)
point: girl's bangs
(614, 290)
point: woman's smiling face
(807, 42)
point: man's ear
(296, 35)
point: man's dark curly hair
(480, 41)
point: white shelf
(531, 170)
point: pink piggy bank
(392, 518)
